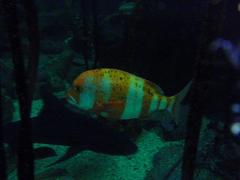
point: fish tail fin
(179, 109)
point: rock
(58, 69)
(217, 153)
(167, 162)
(54, 173)
(201, 174)
(225, 159)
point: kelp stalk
(3, 168)
(95, 33)
(85, 34)
(25, 94)
(25, 156)
(33, 36)
(199, 92)
(30, 79)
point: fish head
(75, 93)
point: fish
(57, 124)
(119, 95)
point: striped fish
(119, 95)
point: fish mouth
(72, 104)
(72, 97)
(72, 100)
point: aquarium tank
(120, 90)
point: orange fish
(119, 95)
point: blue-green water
(87, 134)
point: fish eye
(77, 88)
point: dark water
(186, 50)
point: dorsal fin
(154, 86)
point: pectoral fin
(43, 152)
(72, 151)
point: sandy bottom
(89, 165)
